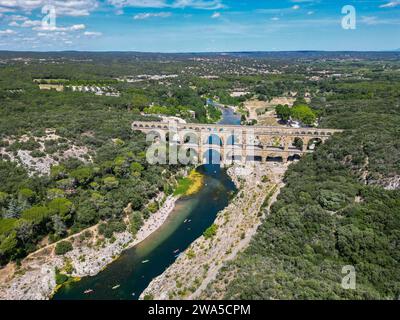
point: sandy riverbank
(200, 263)
(35, 278)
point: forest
(338, 207)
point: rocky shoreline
(35, 278)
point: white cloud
(7, 32)
(138, 3)
(391, 4)
(372, 20)
(63, 7)
(31, 23)
(92, 34)
(196, 4)
(16, 17)
(216, 15)
(5, 9)
(275, 19)
(369, 20)
(75, 27)
(296, 7)
(147, 15)
(199, 4)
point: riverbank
(232, 231)
(190, 185)
(35, 279)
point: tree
(61, 207)
(304, 114)
(14, 209)
(37, 215)
(26, 195)
(55, 193)
(82, 175)
(136, 169)
(8, 246)
(283, 112)
(140, 101)
(59, 227)
(110, 183)
(3, 199)
(25, 231)
(66, 184)
(331, 200)
(58, 172)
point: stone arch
(233, 155)
(254, 158)
(212, 156)
(190, 136)
(276, 141)
(214, 139)
(314, 143)
(154, 136)
(274, 158)
(294, 157)
(233, 140)
(188, 155)
(296, 143)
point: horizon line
(200, 52)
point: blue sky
(198, 25)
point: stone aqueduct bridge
(239, 143)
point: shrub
(210, 232)
(61, 278)
(63, 247)
(110, 183)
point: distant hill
(151, 56)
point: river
(138, 266)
